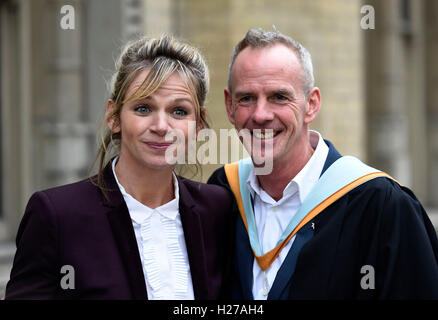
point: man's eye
(142, 109)
(280, 97)
(180, 112)
(245, 99)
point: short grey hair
(259, 38)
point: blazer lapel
(244, 260)
(281, 287)
(282, 283)
(124, 236)
(193, 235)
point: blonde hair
(163, 57)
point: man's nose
(262, 112)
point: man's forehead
(278, 54)
(265, 65)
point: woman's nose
(160, 124)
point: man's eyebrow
(285, 92)
(238, 94)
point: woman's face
(145, 123)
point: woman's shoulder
(68, 195)
(81, 188)
(213, 203)
(200, 190)
(63, 207)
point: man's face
(267, 93)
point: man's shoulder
(386, 187)
(218, 177)
(380, 185)
(386, 202)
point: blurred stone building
(379, 100)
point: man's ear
(111, 119)
(229, 105)
(313, 105)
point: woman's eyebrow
(177, 100)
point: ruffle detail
(168, 278)
(179, 265)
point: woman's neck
(151, 187)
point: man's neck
(283, 172)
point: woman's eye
(142, 109)
(180, 112)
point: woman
(136, 230)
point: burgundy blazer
(75, 225)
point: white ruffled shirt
(272, 217)
(162, 247)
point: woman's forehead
(174, 84)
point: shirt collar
(140, 212)
(304, 181)
(309, 175)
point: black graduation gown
(376, 242)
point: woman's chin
(158, 164)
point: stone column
(101, 44)
(387, 132)
(131, 12)
(11, 135)
(158, 18)
(415, 108)
(431, 62)
(60, 130)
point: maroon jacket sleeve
(35, 272)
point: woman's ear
(111, 118)
(203, 115)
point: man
(374, 242)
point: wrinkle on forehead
(174, 83)
(264, 64)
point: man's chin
(263, 164)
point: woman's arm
(35, 272)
